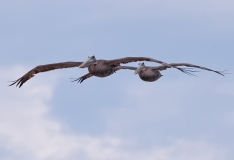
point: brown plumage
(125, 60)
(151, 74)
(99, 68)
(103, 68)
(44, 68)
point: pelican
(151, 74)
(99, 68)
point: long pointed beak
(137, 70)
(87, 63)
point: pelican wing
(163, 67)
(125, 60)
(125, 67)
(117, 62)
(44, 68)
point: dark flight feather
(188, 65)
(125, 60)
(44, 68)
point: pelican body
(101, 69)
(149, 75)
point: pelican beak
(139, 68)
(88, 62)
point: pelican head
(141, 65)
(91, 59)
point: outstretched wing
(44, 68)
(125, 67)
(125, 60)
(163, 67)
(81, 79)
(117, 62)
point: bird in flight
(99, 68)
(151, 74)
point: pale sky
(119, 117)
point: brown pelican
(151, 74)
(99, 68)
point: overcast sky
(119, 117)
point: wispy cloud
(28, 131)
